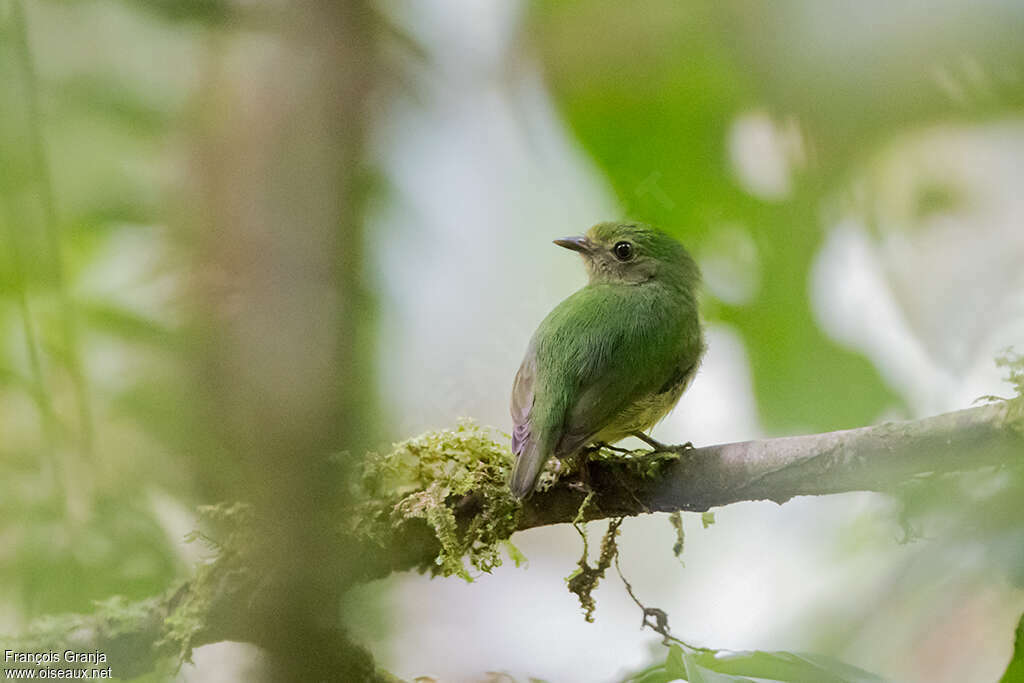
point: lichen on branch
(456, 481)
(440, 503)
(584, 580)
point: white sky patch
(853, 304)
(762, 154)
(719, 406)
(933, 290)
(731, 265)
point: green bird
(612, 359)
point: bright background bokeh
(848, 175)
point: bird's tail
(527, 469)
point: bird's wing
(612, 388)
(522, 400)
(630, 354)
(531, 448)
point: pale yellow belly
(640, 416)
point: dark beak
(579, 243)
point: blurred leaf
(676, 519)
(120, 104)
(790, 667)
(674, 663)
(1013, 361)
(127, 325)
(203, 11)
(1015, 670)
(695, 673)
(712, 666)
(654, 674)
(56, 565)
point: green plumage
(613, 358)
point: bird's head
(632, 253)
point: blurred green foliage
(710, 666)
(98, 418)
(653, 89)
(173, 332)
(1015, 670)
(657, 93)
(86, 355)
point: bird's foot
(582, 481)
(605, 452)
(579, 485)
(660, 447)
(607, 446)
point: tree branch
(224, 600)
(876, 458)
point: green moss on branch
(455, 480)
(439, 503)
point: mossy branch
(877, 458)
(439, 503)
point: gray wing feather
(528, 458)
(522, 400)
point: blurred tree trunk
(282, 312)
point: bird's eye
(623, 251)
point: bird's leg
(618, 449)
(583, 470)
(653, 443)
(661, 447)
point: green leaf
(1015, 670)
(672, 669)
(790, 667)
(846, 672)
(674, 662)
(695, 673)
(655, 674)
(676, 519)
(516, 555)
(127, 324)
(707, 518)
